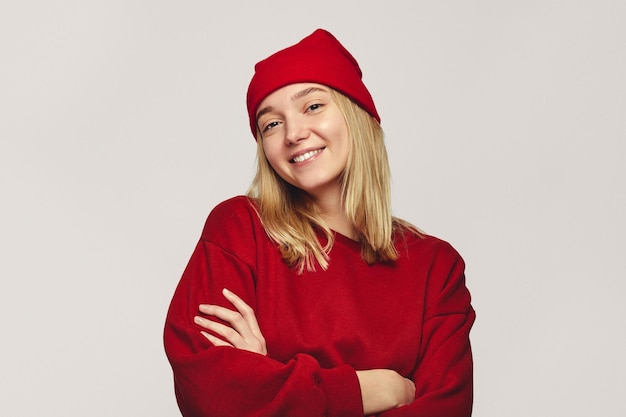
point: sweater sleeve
(444, 375)
(223, 381)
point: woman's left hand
(243, 331)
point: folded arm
(381, 389)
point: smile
(305, 156)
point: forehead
(291, 92)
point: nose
(296, 130)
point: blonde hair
(290, 218)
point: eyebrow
(295, 97)
(263, 111)
(305, 92)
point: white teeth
(306, 156)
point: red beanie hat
(318, 58)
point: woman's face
(305, 138)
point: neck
(333, 213)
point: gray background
(122, 123)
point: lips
(305, 156)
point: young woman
(306, 297)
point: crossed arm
(381, 389)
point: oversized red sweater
(412, 316)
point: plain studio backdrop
(122, 123)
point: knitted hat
(318, 58)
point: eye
(314, 107)
(270, 126)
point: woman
(306, 297)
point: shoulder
(233, 218)
(232, 208)
(442, 247)
(443, 272)
(427, 248)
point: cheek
(272, 154)
(343, 139)
(338, 129)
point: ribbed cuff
(342, 391)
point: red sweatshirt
(412, 316)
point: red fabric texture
(412, 316)
(318, 58)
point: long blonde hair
(288, 213)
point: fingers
(231, 336)
(242, 330)
(215, 340)
(384, 389)
(410, 390)
(246, 312)
(234, 318)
